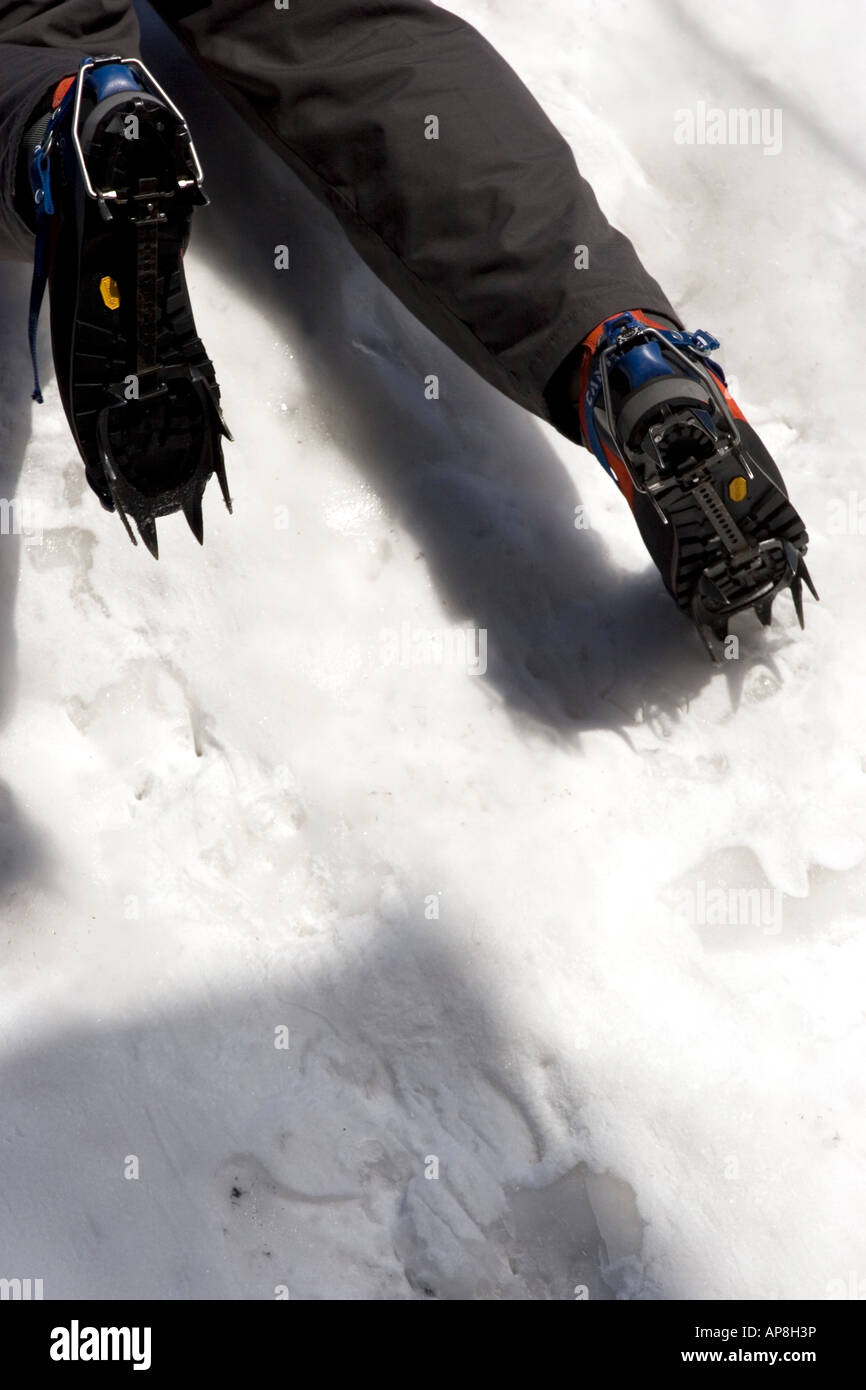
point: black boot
(708, 499)
(115, 179)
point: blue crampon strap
(41, 258)
(593, 391)
(40, 182)
(700, 342)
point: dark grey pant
(475, 230)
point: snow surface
(224, 813)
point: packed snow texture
(336, 975)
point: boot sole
(139, 389)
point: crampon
(115, 178)
(709, 500)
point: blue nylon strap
(593, 391)
(40, 182)
(110, 78)
(647, 365)
(40, 176)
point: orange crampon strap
(61, 89)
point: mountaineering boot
(115, 178)
(708, 499)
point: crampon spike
(224, 429)
(712, 627)
(711, 590)
(192, 512)
(220, 470)
(118, 507)
(125, 519)
(147, 531)
(804, 574)
(799, 574)
(797, 596)
(764, 611)
(709, 639)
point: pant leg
(475, 231)
(40, 42)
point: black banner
(158, 1340)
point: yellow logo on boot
(109, 291)
(737, 489)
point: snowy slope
(498, 914)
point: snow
(585, 931)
